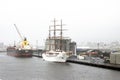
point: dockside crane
(18, 32)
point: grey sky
(86, 20)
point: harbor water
(34, 68)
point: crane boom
(18, 32)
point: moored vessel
(56, 45)
(55, 56)
(22, 49)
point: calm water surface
(12, 68)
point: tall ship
(22, 49)
(57, 47)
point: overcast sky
(86, 20)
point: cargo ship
(22, 50)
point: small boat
(22, 50)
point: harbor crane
(18, 32)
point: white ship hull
(54, 58)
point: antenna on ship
(18, 32)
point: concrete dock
(95, 64)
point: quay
(95, 64)
(38, 53)
(74, 59)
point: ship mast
(49, 38)
(61, 37)
(55, 36)
(54, 33)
